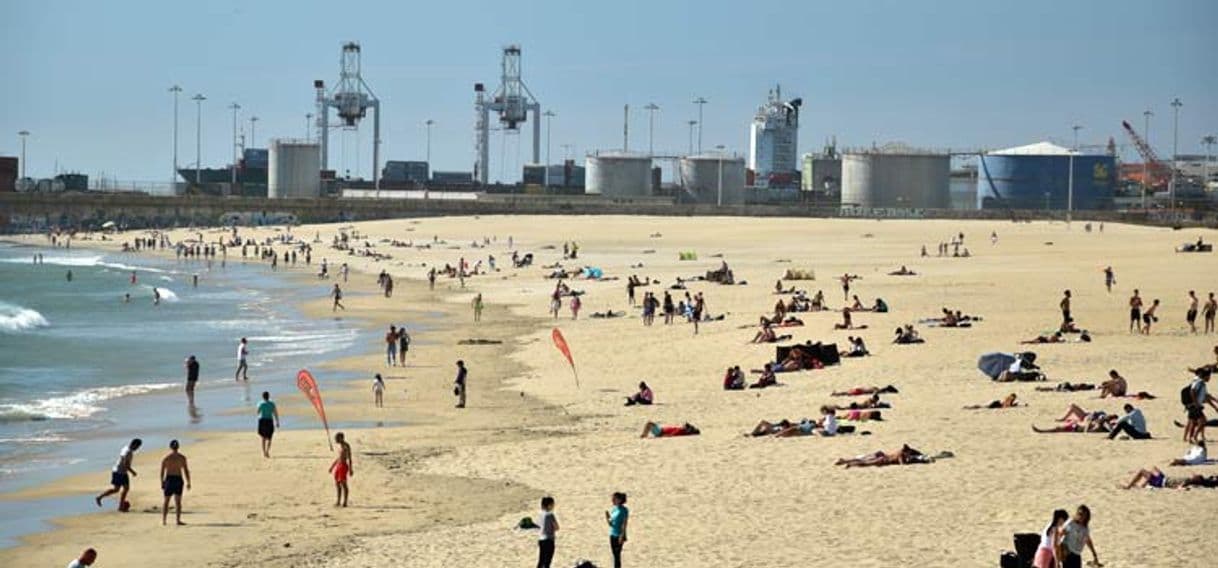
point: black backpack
(1186, 396)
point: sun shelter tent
(995, 364)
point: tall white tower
(513, 101)
(774, 142)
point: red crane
(1159, 174)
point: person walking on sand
(575, 305)
(173, 469)
(618, 518)
(1109, 278)
(1065, 307)
(1208, 312)
(192, 378)
(342, 468)
(478, 307)
(86, 559)
(1191, 315)
(459, 384)
(403, 345)
(1074, 537)
(549, 526)
(345, 270)
(268, 420)
(120, 480)
(391, 345)
(431, 279)
(243, 368)
(337, 294)
(1135, 312)
(1046, 553)
(378, 391)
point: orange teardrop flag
(308, 385)
(561, 343)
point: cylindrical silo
(618, 175)
(873, 179)
(713, 178)
(295, 170)
(1037, 176)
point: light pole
(23, 134)
(1175, 150)
(236, 107)
(651, 128)
(1145, 162)
(253, 140)
(308, 127)
(198, 99)
(1070, 183)
(173, 180)
(1208, 142)
(549, 114)
(719, 198)
(427, 123)
(700, 101)
(691, 136)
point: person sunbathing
(859, 391)
(608, 315)
(1009, 401)
(796, 360)
(1068, 326)
(818, 301)
(907, 335)
(767, 379)
(765, 428)
(733, 379)
(904, 456)
(1067, 387)
(778, 289)
(1154, 477)
(870, 403)
(826, 426)
(1095, 422)
(862, 415)
(903, 272)
(644, 397)
(668, 431)
(1055, 337)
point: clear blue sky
(89, 79)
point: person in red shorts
(661, 431)
(342, 468)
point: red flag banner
(561, 343)
(308, 385)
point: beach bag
(1186, 396)
(1025, 547)
(1010, 560)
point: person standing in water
(69, 276)
(459, 384)
(243, 351)
(173, 469)
(342, 468)
(120, 480)
(268, 420)
(192, 378)
(337, 294)
(617, 518)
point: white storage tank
(896, 178)
(701, 178)
(295, 170)
(618, 174)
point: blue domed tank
(1038, 177)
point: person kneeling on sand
(668, 431)
(644, 397)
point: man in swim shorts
(342, 468)
(173, 468)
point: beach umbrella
(308, 385)
(561, 343)
(993, 364)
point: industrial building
(895, 177)
(295, 170)
(405, 172)
(713, 178)
(822, 172)
(8, 173)
(618, 174)
(1038, 176)
(774, 142)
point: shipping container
(403, 171)
(535, 174)
(8, 173)
(452, 178)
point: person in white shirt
(1196, 455)
(87, 558)
(1074, 537)
(243, 351)
(549, 526)
(828, 423)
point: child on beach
(378, 391)
(342, 468)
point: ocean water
(82, 370)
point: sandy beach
(440, 486)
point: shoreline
(344, 399)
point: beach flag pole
(308, 385)
(561, 343)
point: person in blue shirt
(1132, 423)
(268, 420)
(618, 518)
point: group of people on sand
(1064, 540)
(397, 344)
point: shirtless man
(1115, 386)
(903, 456)
(1149, 317)
(1135, 312)
(173, 468)
(1211, 307)
(342, 468)
(1191, 315)
(1065, 306)
(846, 279)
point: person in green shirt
(618, 518)
(268, 421)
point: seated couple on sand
(904, 456)
(733, 379)
(669, 431)
(879, 307)
(907, 335)
(797, 359)
(857, 347)
(826, 426)
(860, 391)
(1022, 369)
